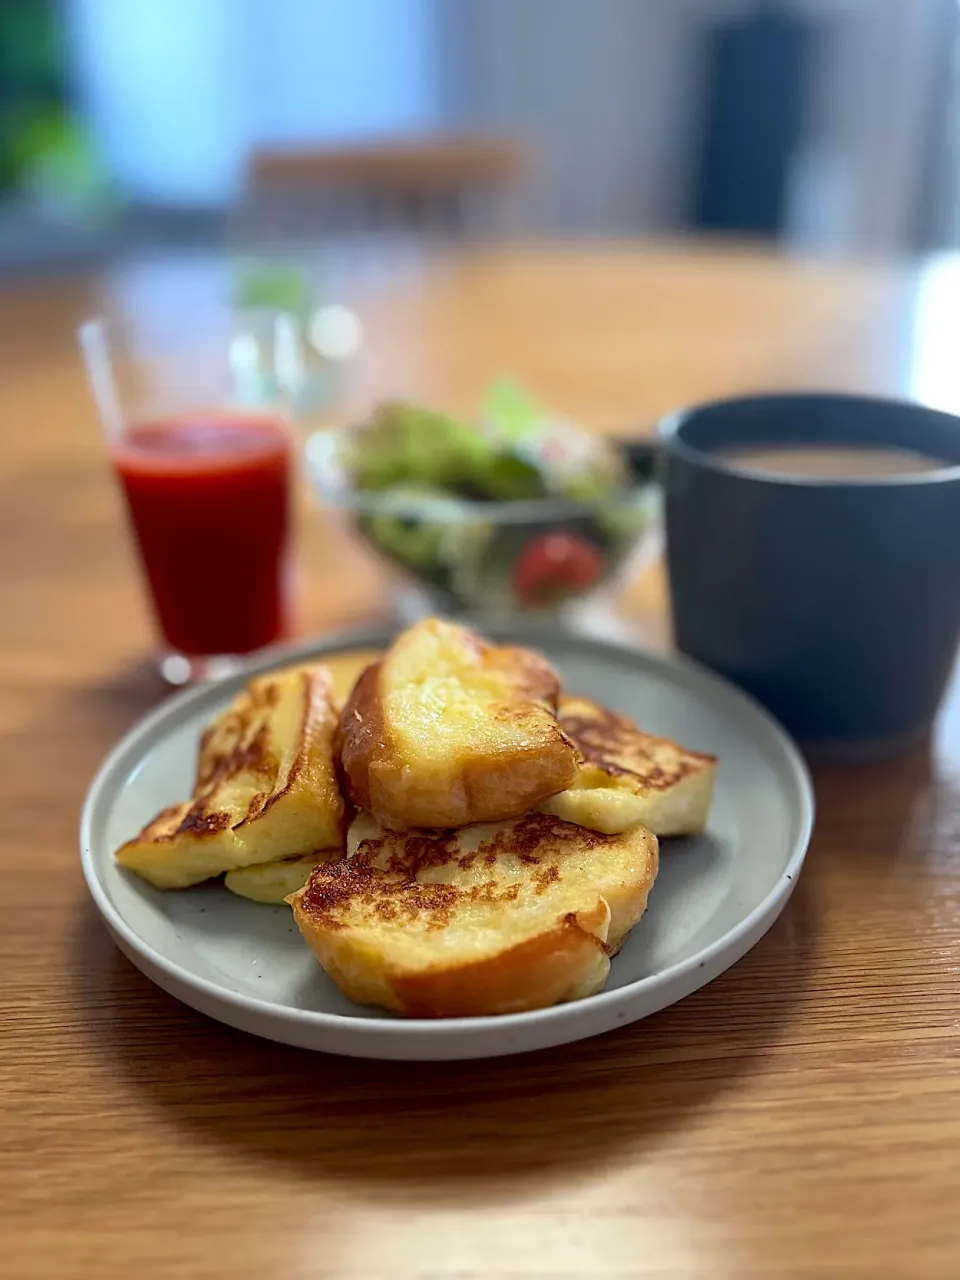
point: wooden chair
(421, 187)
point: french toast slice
(266, 786)
(491, 919)
(448, 729)
(346, 668)
(627, 776)
(273, 882)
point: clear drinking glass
(194, 413)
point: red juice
(209, 499)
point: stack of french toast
(456, 835)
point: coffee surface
(831, 462)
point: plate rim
(431, 1030)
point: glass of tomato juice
(195, 422)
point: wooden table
(799, 1117)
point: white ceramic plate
(246, 965)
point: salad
(515, 451)
(520, 509)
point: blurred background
(132, 127)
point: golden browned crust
(614, 744)
(531, 758)
(266, 786)
(361, 735)
(529, 673)
(568, 961)
(493, 919)
(627, 776)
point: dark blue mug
(834, 601)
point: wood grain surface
(800, 1117)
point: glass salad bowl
(571, 513)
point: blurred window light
(178, 91)
(322, 70)
(162, 85)
(934, 376)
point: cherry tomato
(555, 565)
